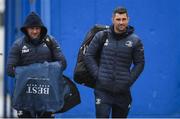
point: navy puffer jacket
(24, 51)
(114, 73)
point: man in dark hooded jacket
(32, 48)
(114, 74)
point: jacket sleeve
(91, 54)
(57, 54)
(138, 61)
(13, 58)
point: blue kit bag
(39, 87)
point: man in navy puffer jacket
(114, 74)
(31, 48)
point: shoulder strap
(49, 43)
(105, 36)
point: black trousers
(116, 105)
(27, 114)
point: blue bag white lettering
(38, 89)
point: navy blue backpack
(81, 73)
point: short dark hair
(120, 10)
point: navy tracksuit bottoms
(107, 103)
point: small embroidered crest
(25, 49)
(106, 43)
(98, 101)
(129, 43)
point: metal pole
(4, 78)
(9, 38)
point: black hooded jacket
(114, 73)
(33, 20)
(24, 51)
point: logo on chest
(106, 43)
(98, 101)
(44, 45)
(25, 49)
(129, 44)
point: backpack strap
(103, 40)
(48, 41)
(104, 37)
